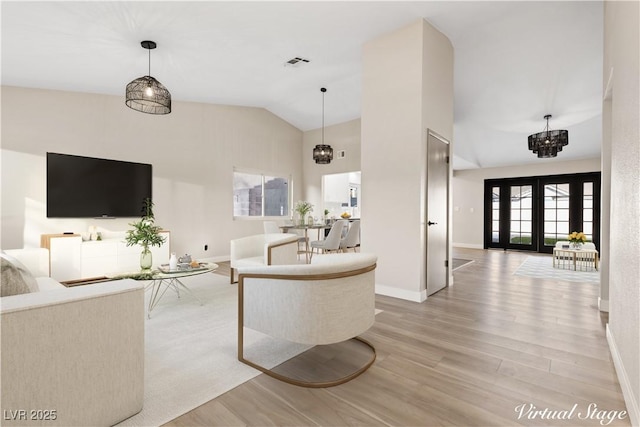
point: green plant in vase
(303, 208)
(146, 234)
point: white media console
(71, 258)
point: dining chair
(332, 241)
(352, 239)
(271, 227)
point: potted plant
(145, 233)
(326, 216)
(577, 239)
(303, 208)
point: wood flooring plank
(212, 413)
(467, 356)
(319, 405)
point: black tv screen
(87, 187)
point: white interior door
(437, 187)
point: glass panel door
(556, 213)
(587, 210)
(533, 213)
(495, 215)
(521, 215)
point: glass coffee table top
(164, 278)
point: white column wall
(407, 86)
(622, 55)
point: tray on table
(182, 268)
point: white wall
(193, 151)
(622, 132)
(407, 87)
(343, 136)
(468, 193)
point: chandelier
(146, 94)
(322, 153)
(548, 142)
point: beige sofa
(71, 356)
(263, 249)
(326, 302)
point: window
(260, 195)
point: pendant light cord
(323, 90)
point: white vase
(173, 261)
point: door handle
(431, 223)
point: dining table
(306, 228)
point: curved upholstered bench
(329, 301)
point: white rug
(191, 350)
(542, 267)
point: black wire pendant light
(323, 154)
(146, 94)
(549, 142)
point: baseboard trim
(404, 294)
(627, 392)
(467, 245)
(603, 305)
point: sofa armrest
(35, 259)
(246, 247)
(283, 251)
(76, 351)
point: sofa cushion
(249, 262)
(24, 272)
(12, 281)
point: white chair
(332, 241)
(352, 240)
(271, 227)
(328, 301)
(263, 249)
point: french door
(533, 213)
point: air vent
(296, 62)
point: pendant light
(146, 94)
(323, 154)
(548, 142)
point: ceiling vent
(296, 62)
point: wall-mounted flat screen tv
(87, 187)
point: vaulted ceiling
(514, 61)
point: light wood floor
(468, 356)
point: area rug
(191, 350)
(542, 267)
(459, 263)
